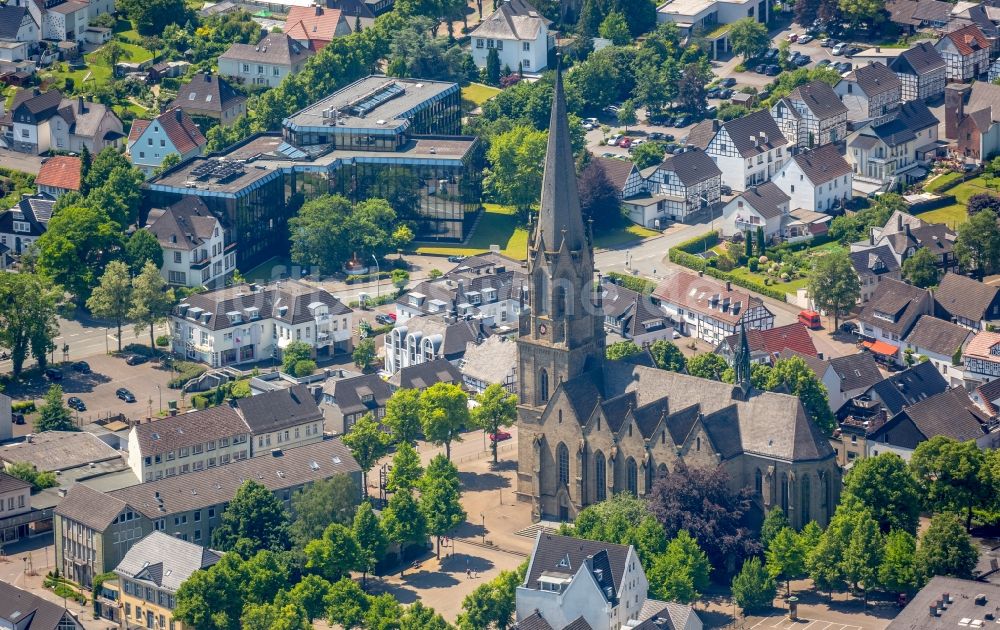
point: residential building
(679, 188)
(188, 442)
(6, 418)
(349, 399)
(15, 502)
(19, 33)
(709, 309)
(850, 438)
(22, 610)
(210, 96)
(903, 389)
(819, 179)
(982, 358)
(152, 572)
(58, 175)
(966, 51)
(871, 93)
(764, 206)
(711, 19)
(423, 375)
(62, 21)
(23, 224)
(942, 343)
(872, 265)
(945, 602)
(849, 376)
(492, 361)
(748, 150)
(94, 530)
(315, 26)
(281, 419)
(895, 152)
(172, 132)
(972, 119)
(987, 396)
(198, 251)
(248, 323)
(267, 62)
(377, 137)
(490, 288)
(572, 583)
(921, 70)
(42, 121)
(967, 302)
(890, 314)
(519, 34)
(811, 116)
(912, 15)
(429, 337)
(768, 345)
(905, 234)
(951, 414)
(633, 316)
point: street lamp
(378, 273)
(159, 393)
(483, 516)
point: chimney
(80, 104)
(899, 221)
(933, 609)
(178, 114)
(955, 97)
(319, 9)
(729, 285)
(878, 49)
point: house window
(177, 257)
(479, 43)
(526, 47)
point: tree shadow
(505, 465)
(468, 529)
(460, 562)
(715, 618)
(482, 481)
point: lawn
(97, 72)
(475, 94)
(943, 179)
(955, 214)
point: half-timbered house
(748, 150)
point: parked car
(805, 39)
(654, 136)
(839, 49)
(802, 60)
(760, 69)
(826, 42)
(499, 436)
(383, 319)
(849, 327)
(823, 63)
(625, 142)
(810, 319)
(773, 71)
(713, 93)
(456, 258)
(607, 155)
(53, 374)
(726, 94)
(669, 137)
(684, 121)
(591, 123)
(710, 111)
(763, 94)
(793, 37)
(612, 109)
(75, 403)
(615, 139)
(135, 359)
(125, 395)
(850, 52)
(725, 190)
(82, 367)
(728, 82)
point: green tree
(213, 599)
(621, 350)
(864, 553)
(53, 414)
(346, 604)
(370, 537)
(825, 562)
(667, 356)
(898, 571)
(112, 52)
(786, 557)
(364, 354)
(368, 443)
(626, 114)
(39, 480)
(444, 414)
(692, 88)
(402, 416)
(406, 469)
(784, 52)
(169, 161)
(497, 409)
(328, 230)
(680, 573)
(921, 268)
(647, 154)
(255, 515)
(833, 284)
(322, 502)
(441, 499)
(28, 308)
(748, 244)
(615, 28)
(946, 548)
(622, 519)
(599, 198)
(152, 301)
(749, 38)
(885, 485)
(151, 17)
(274, 617)
(403, 521)
(75, 247)
(978, 243)
(112, 298)
(491, 606)
(514, 174)
(492, 67)
(753, 589)
(708, 365)
(794, 375)
(774, 522)
(310, 593)
(293, 353)
(761, 241)
(420, 617)
(952, 476)
(384, 612)
(140, 248)
(858, 12)
(335, 554)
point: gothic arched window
(805, 500)
(600, 476)
(632, 476)
(661, 471)
(563, 455)
(543, 386)
(784, 493)
(559, 302)
(758, 482)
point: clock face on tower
(542, 329)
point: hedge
(698, 244)
(639, 285)
(697, 263)
(187, 371)
(367, 277)
(23, 406)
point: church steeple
(741, 364)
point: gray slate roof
(279, 409)
(913, 116)
(900, 301)
(856, 371)
(274, 48)
(17, 605)
(745, 133)
(820, 98)
(9, 483)
(185, 224)
(691, 167)
(822, 164)
(937, 335)
(165, 561)
(90, 507)
(293, 295)
(10, 20)
(876, 78)
(950, 413)
(766, 198)
(348, 393)
(961, 296)
(188, 429)
(909, 387)
(423, 375)
(874, 261)
(491, 361)
(512, 21)
(207, 92)
(566, 555)
(921, 59)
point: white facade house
(267, 62)
(819, 179)
(197, 249)
(172, 132)
(43, 121)
(941, 342)
(575, 581)
(518, 33)
(748, 150)
(764, 206)
(709, 18)
(966, 51)
(708, 309)
(894, 152)
(871, 93)
(429, 337)
(811, 115)
(249, 323)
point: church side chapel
(591, 427)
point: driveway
(20, 161)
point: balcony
(201, 264)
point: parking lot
(782, 622)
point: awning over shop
(881, 347)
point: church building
(590, 427)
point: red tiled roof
(138, 126)
(317, 25)
(698, 293)
(969, 39)
(61, 171)
(793, 336)
(178, 126)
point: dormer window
(235, 317)
(22, 226)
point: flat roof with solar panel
(375, 102)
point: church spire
(559, 216)
(741, 364)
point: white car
(805, 39)
(590, 124)
(839, 48)
(613, 142)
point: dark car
(82, 367)
(135, 359)
(713, 93)
(53, 374)
(125, 395)
(760, 69)
(669, 137)
(659, 119)
(384, 319)
(725, 190)
(684, 121)
(726, 94)
(763, 94)
(849, 327)
(822, 63)
(75, 403)
(773, 71)
(728, 82)
(802, 60)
